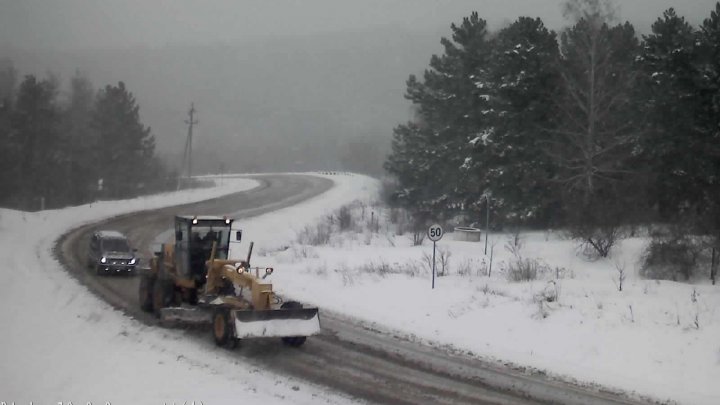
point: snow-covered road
(62, 343)
(401, 372)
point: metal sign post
(435, 233)
(433, 271)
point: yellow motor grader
(191, 280)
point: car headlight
(103, 260)
(132, 261)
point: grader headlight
(268, 271)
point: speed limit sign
(435, 232)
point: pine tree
(523, 77)
(79, 144)
(708, 122)
(413, 162)
(9, 156)
(669, 92)
(35, 121)
(451, 105)
(125, 147)
(8, 81)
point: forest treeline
(59, 149)
(591, 129)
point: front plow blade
(277, 323)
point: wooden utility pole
(187, 157)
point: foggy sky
(78, 24)
(279, 84)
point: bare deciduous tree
(597, 78)
(593, 141)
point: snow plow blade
(276, 323)
(173, 315)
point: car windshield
(115, 245)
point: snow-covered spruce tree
(709, 122)
(451, 106)
(413, 163)
(669, 79)
(125, 147)
(523, 76)
(668, 90)
(596, 134)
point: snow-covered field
(655, 338)
(60, 343)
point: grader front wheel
(222, 329)
(293, 341)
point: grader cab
(194, 240)
(192, 280)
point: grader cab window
(202, 238)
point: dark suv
(110, 253)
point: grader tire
(222, 329)
(293, 341)
(162, 295)
(147, 284)
(192, 296)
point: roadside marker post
(435, 233)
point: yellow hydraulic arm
(239, 274)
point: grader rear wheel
(162, 295)
(192, 296)
(147, 283)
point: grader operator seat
(194, 237)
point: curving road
(347, 356)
